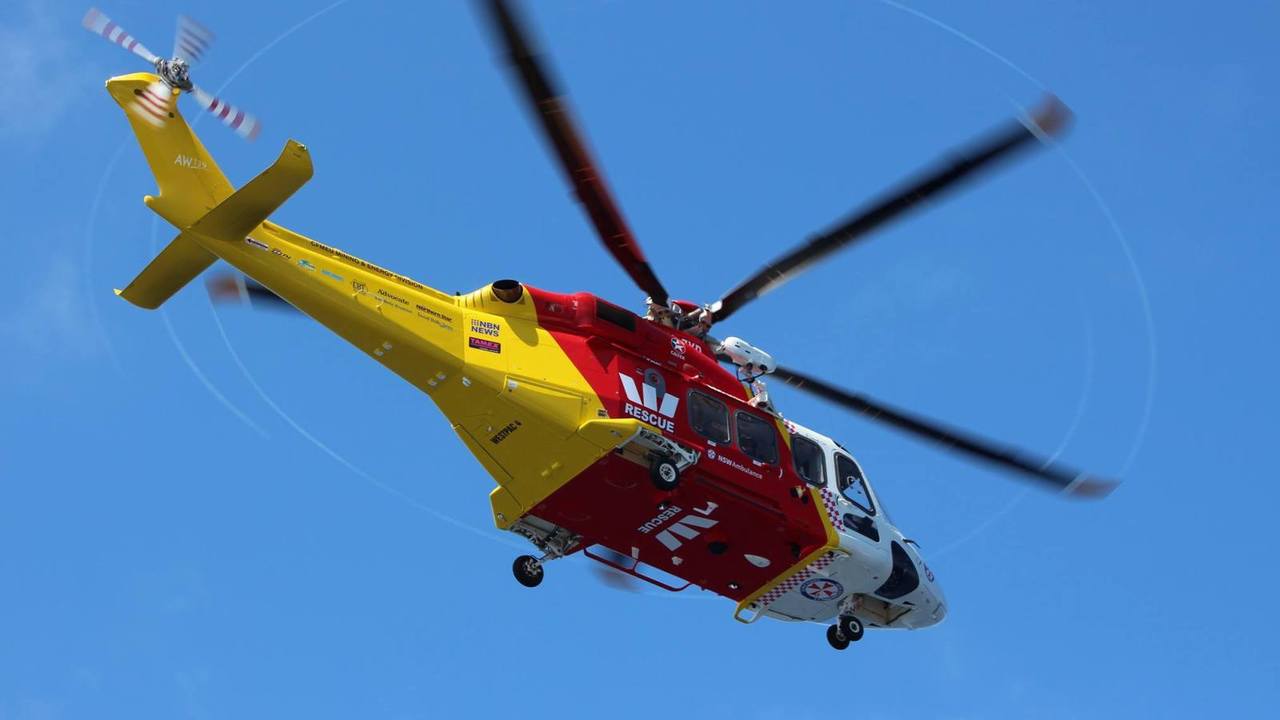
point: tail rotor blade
(192, 40)
(95, 22)
(244, 124)
(154, 103)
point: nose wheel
(837, 640)
(528, 571)
(848, 629)
(851, 627)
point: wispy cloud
(41, 73)
(51, 318)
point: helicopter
(641, 441)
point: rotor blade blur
(244, 124)
(1051, 117)
(229, 287)
(95, 22)
(1067, 480)
(192, 40)
(612, 577)
(552, 112)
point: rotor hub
(176, 73)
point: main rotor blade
(95, 22)
(1069, 481)
(232, 287)
(588, 184)
(1051, 117)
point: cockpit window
(811, 462)
(757, 438)
(709, 417)
(851, 483)
(903, 578)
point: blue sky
(235, 515)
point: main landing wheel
(665, 475)
(837, 640)
(528, 571)
(851, 627)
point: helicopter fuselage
(570, 403)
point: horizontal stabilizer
(175, 266)
(233, 219)
(246, 209)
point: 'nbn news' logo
(643, 404)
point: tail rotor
(155, 104)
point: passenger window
(709, 417)
(757, 438)
(851, 483)
(811, 462)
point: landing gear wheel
(528, 571)
(837, 640)
(851, 628)
(665, 475)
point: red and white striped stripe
(153, 103)
(244, 124)
(94, 21)
(192, 40)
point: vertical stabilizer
(189, 181)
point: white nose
(937, 601)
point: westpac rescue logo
(688, 527)
(650, 402)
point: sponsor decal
(486, 345)
(505, 432)
(677, 348)
(258, 244)
(391, 296)
(679, 345)
(927, 572)
(483, 327)
(650, 402)
(359, 287)
(281, 253)
(433, 313)
(367, 265)
(306, 265)
(688, 527)
(438, 318)
(822, 589)
(192, 163)
(331, 274)
(720, 458)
